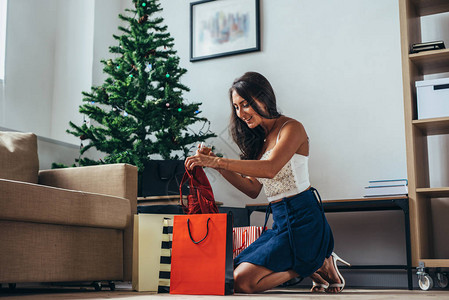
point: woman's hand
(204, 157)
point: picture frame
(223, 27)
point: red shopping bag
(201, 262)
(201, 198)
(244, 236)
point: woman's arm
(248, 185)
(292, 137)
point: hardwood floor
(124, 291)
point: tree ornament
(125, 113)
(83, 137)
(167, 75)
(167, 104)
(143, 19)
(109, 62)
(197, 112)
(144, 4)
(180, 109)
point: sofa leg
(97, 285)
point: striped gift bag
(165, 266)
(152, 252)
(244, 236)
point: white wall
(28, 89)
(50, 53)
(72, 64)
(106, 23)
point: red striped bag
(243, 237)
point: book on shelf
(387, 190)
(419, 47)
(387, 187)
(388, 182)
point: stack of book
(384, 188)
(416, 48)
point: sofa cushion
(27, 202)
(18, 156)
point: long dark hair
(252, 86)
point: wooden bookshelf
(435, 263)
(430, 7)
(414, 67)
(440, 192)
(431, 62)
(433, 126)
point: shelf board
(434, 192)
(435, 263)
(431, 62)
(433, 126)
(430, 7)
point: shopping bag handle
(190, 234)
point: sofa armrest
(118, 180)
(114, 179)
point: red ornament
(143, 19)
(83, 137)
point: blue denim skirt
(300, 238)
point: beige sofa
(63, 225)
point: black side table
(367, 204)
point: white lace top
(292, 179)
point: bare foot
(319, 284)
(328, 273)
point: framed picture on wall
(223, 27)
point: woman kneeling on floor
(275, 153)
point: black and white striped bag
(165, 266)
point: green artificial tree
(139, 110)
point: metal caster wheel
(111, 285)
(442, 280)
(425, 282)
(97, 285)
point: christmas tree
(139, 110)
